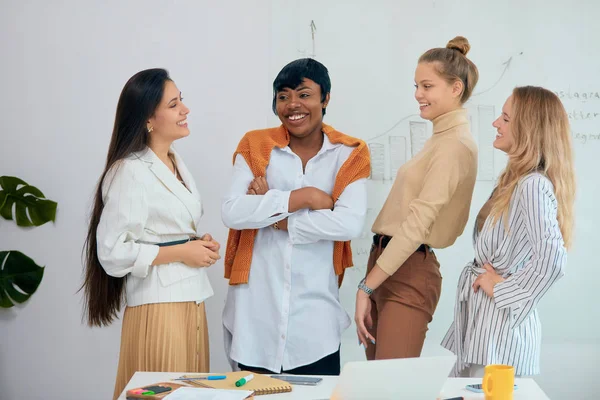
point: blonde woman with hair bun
(427, 208)
(521, 238)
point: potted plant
(20, 276)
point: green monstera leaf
(31, 206)
(20, 277)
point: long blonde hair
(542, 143)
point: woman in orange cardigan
(298, 195)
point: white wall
(63, 67)
(64, 64)
(371, 53)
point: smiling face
(300, 109)
(435, 95)
(169, 121)
(504, 137)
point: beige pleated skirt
(163, 337)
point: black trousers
(328, 365)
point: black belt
(386, 239)
(175, 242)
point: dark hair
(295, 72)
(141, 95)
(452, 64)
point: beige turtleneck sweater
(430, 199)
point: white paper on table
(189, 393)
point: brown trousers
(403, 306)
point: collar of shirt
(327, 146)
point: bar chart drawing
(390, 150)
(418, 136)
(397, 154)
(377, 161)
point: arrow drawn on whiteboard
(313, 29)
(506, 66)
(392, 128)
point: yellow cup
(498, 382)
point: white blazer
(145, 203)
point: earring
(150, 129)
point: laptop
(408, 378)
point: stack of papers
(189, 393)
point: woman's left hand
(215, 246)
(362, 318)
(487, 280)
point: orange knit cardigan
(256, 147)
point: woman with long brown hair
(143, 245)
(521, 238)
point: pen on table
(455, 398)
(206, 378)
(244, 380)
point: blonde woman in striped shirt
(521, 238)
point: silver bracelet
(363, 286)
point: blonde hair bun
(459, 43)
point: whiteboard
(371, 53)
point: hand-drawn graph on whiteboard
(418, 136)
(387, 157)
(389, 149)
(377, 161)
(397, 154)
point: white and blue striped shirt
(531, 256)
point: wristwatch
(362, 286)
(276, 225)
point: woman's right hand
(198, 253)
(258, 186)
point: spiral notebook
(261, 384)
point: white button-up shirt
(289, 314)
